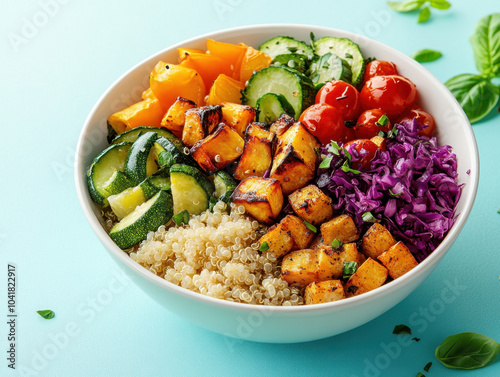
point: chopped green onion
(382, 121)
(310, 226)
(336, 243)
(264, 246)
(325, 164)
(346, 168)
(181, 218)
(368, 218)
(394, 194)
(47, 314)
(382, 134)
(349, 269)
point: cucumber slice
(140, 162)
(345, 49)
(286, 45)
(134, 133)
(330, 67)
(297, 88)
(117, 183)
(102, 169)
(146, 218)
(224, 185)
(270, 107)
(191, 189)
(298, 62)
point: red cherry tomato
(368, 124)
(341, 95)
(324, 121)
(422, 117)
(393, 94)
(380, 68)
(364, 146)
(349, 135)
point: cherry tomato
(380, 68)
(324, 121)
(349, 135)
(393, 94)
(341, 95)
(364, 146)
(422, 117)
(368, 124)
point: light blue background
(49, 82)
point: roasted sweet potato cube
(368, 276)
(295, 158)
(377, 240)
(200, 122)
(380, 142)
(257, 154)
(398, 260)
(218, 150)
(282, 124)
(278, 239)
(300, 267)
(324, 291)
(311, 204)
(331, 260)
(175, 117)
(341, 227)
(237, 116)
(261, 197)
(302, 236)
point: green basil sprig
(47, 314)
(425, 55)
(424, 6)
(476, 93)
(467, 350)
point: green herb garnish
(310, 226)
(264, 246)
(425, 55)
(413, 5)
(401, 329)
(420, 374)
(181, 218)
(394, 193)
(337, 244)
(428, 366)
(349, 269)
(467, 350)
(382, 121)
(47, 314)
(325, 164)
(347, 169)
(476, 93)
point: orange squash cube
(144, 113)
(225, 89)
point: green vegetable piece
(264, 246)
(426, 55)
(337, 244)
(325, 164)
(401, 329)
(467, 350)
(440, 4)
(424, 15)
(428, 366)
(420, 374)
(47, 314)
(347, 169)
(181, 218)
(486, 45)
(349, 269)
(476, 94)
(405, 6)
(382, 121)
(310, 226)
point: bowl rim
(428, 263)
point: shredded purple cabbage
(411, 187)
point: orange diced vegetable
(148, 94)
(253, 60)
(185, 52)
(225, 89)
(207, 65)
(144, 113)
(231, 54)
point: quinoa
(217, 255)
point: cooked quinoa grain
(217, 255)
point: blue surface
(57, 59)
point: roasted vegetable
(331, 260)
(311, 204)
(200, 122)
(208, 66)
(324, 291)
(253, 61)
(237, 116)
(282, 124)
(341, 227)
(175, 117)
(369, 276)
(144, 113)
(218, 149)
(295, 159)
(225, 89)
(398, 260)
(302, 236)
(231, 54)
(257, 154)
(185, 52)
(277, 241)
(377, 240)
(261, 197)
(300, 267)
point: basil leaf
(440, 4)
(424, 15)
(349, 269)
(401, 329)
(425, 55)
(486, 45)
(476, 94)
(47, 314)
(264, 246)
(467, 350)
(405, 6)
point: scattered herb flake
(310, 226)
(424, 15)
(368, 217)
(420, 374)
(336, 243)
(47, 314)
(394, 193)
(428, 366)
(181, 218)
(349, 269)
(348, 169)
(264, 246)
(401, 329)
(325, 164)
(382, 121)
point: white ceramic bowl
(282, 324)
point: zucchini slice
(117, 183)
(286, 45)
(224, 186)
(298, 62)
(296, 88)
(345, 49)
(270, 107)
(140, 162)
(146, 218)
(102, 169)
(330, 67)
(191, 189)
(171, 151)
(132, 135)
